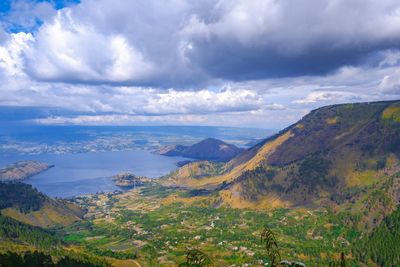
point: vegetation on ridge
(21, 196)
(332, 202)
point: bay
(76, 174)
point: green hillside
(21, 197)
(382, 244)
(15, 231)
(328, 188)
(24, 244)
(333, 151)
(24, 203)
(343, 157)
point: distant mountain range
(334, 155)
(208, 149)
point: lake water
(86, 173)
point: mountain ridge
(208, 149)
(330, 150)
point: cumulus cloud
(11, 61)
(180, 43)
(320, 96)
(136, 100)
(69, 50)
(203, 101)
(257, 119)
(206, 61)
(275, 106)
(390, 84)
(117, 119)
(104, 42)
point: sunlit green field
(160, 234)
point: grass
(392, 113)
(230, 236)
(48, 216)
(364, 178)
(332, 121)
(75, 238)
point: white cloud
(265, 119)
(170, 61)
(390, 58)
(321, 96)
(11, 61)
(135, 100)
(203, 101)
(177, 42)
(69, 49)
(123, 119)
(275, 106)
(390, 84)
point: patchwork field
(143, 223)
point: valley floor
(148, 223)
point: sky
(245, 63)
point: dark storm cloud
(180, 43)
(15, 114)
(234, 62)
(268, 39)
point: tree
(340, 263)
(342, 260)
(37, 259)
(271, 245)
(196, 258)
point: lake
(87, 173)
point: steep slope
(208, 149)
(25, 204)
(14, 231)
(25, 245)
(212, 176)
(381, 245)
(332, 151)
